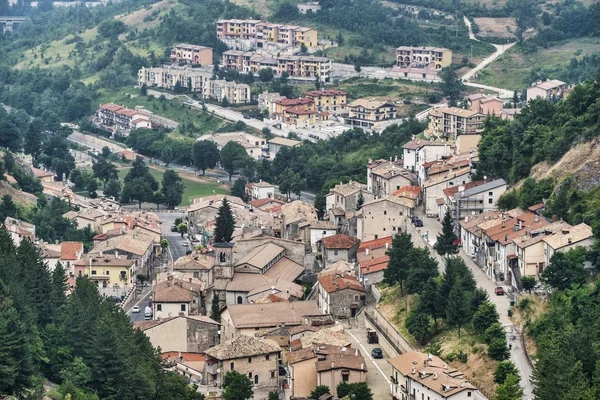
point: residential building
(258, 359)
(306, 8)
(434, 169)
(43, 175)
(266, 101)
(70, 253)
(237, 28)
(132, 243)
(300, 117)
(471, 232)
(434, 188)
(267, 204)
(175, 297)
(190, 365)
(182, 333)
(372, 260)
(423, 57)
(50, 253)
(384, 177)
(320, 230)
(112, 271)
(342, 202)
(305, 67)
(569, 238)
(252, 143)
(339, 295)
(338, 247)
(417, 152)
(199, 81)
(277, 143)
(411, 194)
(285, 103)
(296, 218)
(383, 217)
(366, 113)
(472, 198)
(546, 90)
(451, 122)
(263, 34)
(87, 218)
(123, 119)
(192, 54)
(18, 230)
(417, 375)
(260, 190)
(197, 265)
(486, 105)
(347, 366)
(333, 101)
(246, 319)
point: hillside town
(298, 201)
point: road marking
(370, 358)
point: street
(378, 370)
(175, 241)
(432, 227)
(141, 301)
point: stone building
(340, 295)
(182, 333)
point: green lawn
(192, 190)
(512, 69)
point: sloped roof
(376, 243)
(412, 192)
(344, 359)
(333, 283)
(69, 250)
(272, 314)
(286, 269)
(374, 265)
(194, 261)
(570, 236)
(166, 292)
(261, 255)
(243, 346)
(339, 241)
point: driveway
(378, 370)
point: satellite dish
(485, 177)
(472, 212)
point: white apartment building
(123, 119)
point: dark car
(246, 116)
(499, 291)
(417, 221)
(372, 336)
(376, 353)
(173, 228)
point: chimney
(414, 371)
(435, 376)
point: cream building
(434, 188)
(331, 100)
(173, 333)
(107, 270)
(252, 144)
(367, 113)
(450, 122)
(192, 54)
(546, 90)
(175, 297)
(423, 57)
(383, 217)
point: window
(240, 300)
(490, 193)
(232, 366)
(480, 201)
(159, 307)
(272, 374)
(345, 375)
(256, 379)
(355, 298)
(335, 252)
(107, 272)
(93, 272)
(250, 375)
(384, 229)
(468, 394)
(267, 357)
(250, 361)
(385, 213)
(196, 274)
(183, 307)
(376, 236)
(394, 228)
(490, 201)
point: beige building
(237, 28)
(301, 117)
(348, 366)
(252, 143)
(338, 247)
(258, 359)
(277, 143)
(546, 90)
(383, 217)
(246, 319)
(196, 265)
(486, 105)
(331, 100)
(366, 113)
(181, 333)
(385, 177)
(423, 57)
(192, 54)
(266, 101)
(262, 34)
(450, 122)
(305, 67)
(417, 375)
(123, 119)
(175, 297)
(108, 270)
(306, 8)
(434, 188)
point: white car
(135, 309)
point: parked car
(417, 222)
(246, 116)
(499, 291)
(135, 309)
(377, 353)
(173, 228)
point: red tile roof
(408, 191)
(262, 202)
(376, 244)
(340, 241)
(375, 265)
(452, 190)
(536, 207)
(326, 92)
(174, 355)
(334, 282)
(69, 250)
(294, 102)
(299, 110)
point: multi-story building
(330, 100)
(383, 217)
(295, 66)
(418, 152)
(277, 143)
(195, 80)
(123, 119)
(417, 375)
(18, 230)
(450, 122)
(339, 295)
(472, 198)
(192, 54)
(301, 117)
(423, 57)
(486, 105)
(434, 188)
(366, 113)
(266, 101)
(252, 144)
(107, 270)
(283, 104)
(261, 33)
(546, 90)
(385, 177)
(305, 8)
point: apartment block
(366, 113)
(195, 80)
(305, 66)
(546, 90)
(192, 54)
(423, 57)
(263, 33)
(123, 119)
(330, 100)
(449, 122)
(306, 8)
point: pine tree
(225, 223)
(510, 389)
(360, 200)
(457, 309)
(484, 317)
(215, 309)
(172, 188)
(446, 239)
(59, 287)
(37, 281)
(399, 265)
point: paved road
(378, 370)
(517, 353)
(141, 301)
(175, 241)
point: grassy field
(511, 70)
(172, 109)
(196, 187)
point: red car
(499, 291)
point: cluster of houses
(421, 62)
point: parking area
(378, 370)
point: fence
(394, 340)
(376, 293)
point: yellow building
(308, 36)
(449, 122)
(331, 100)
(284, 104)
(108, 270)
(366, 113)
(423, 57)
(305, 66)
(300, 116)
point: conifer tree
(399, 265)
(457, 309)
(215, 309)
(510, 389)
(59, 286)
(446, 239)
(225, 223)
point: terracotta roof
(273, 314)
(171, 292)
(294, 357)
(374, 265)
(418, 143)
(69, 250)
(294, 102)
(536, 207)
(376, 244)
(453, 189)
(333, 282)
(183, 356)
(325, 92)
(412, 192)
(299, 110)
(243, 346)
(340, 241)
(262, 202)
(194, 261)
(549, 84)
(348, 359)
(444, 381)
(38, 173)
